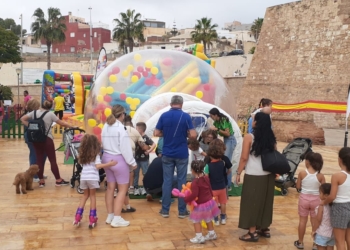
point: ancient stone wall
(302, 54)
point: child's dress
(207, 208)
(324, 233)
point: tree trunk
(205, 47)
(131, 45)
(48, 55)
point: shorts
(89, 184)
(307, 204)
(220, 196)
(324, 241)
(119, 173)
(340, 215)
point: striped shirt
(90, 172)
(325, 229)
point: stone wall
(302, 55)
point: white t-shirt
(116, 141)
(90, 172)
(196, 155)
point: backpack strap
(42, 116)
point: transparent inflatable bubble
(135, 78)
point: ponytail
(117, 111)
(215, 111)
(344, 155)
(111, 120)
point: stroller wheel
(284, 191)
(79, 190)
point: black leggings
(60, 114)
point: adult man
(27, 97)
(58, 105)
(175, 126)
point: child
(217, 170)
(309, 181)
(142, 157)
(89, 158)
(322, 229)
(340, 196)
(197, 153)
(206, 209)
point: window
(95, 34)
(84, 35)
(162, 47)
(72, 34)
(154, 25)
(72, 49)
(147, 24)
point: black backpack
(36, 131)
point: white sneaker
(109, 219)
(210, 236)
(143, 191)
(131, 190)
(120, 223)
(216, 223)
(137, 191)
(36, 179)
(198, 240)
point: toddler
(309, 181)
(142, 157)
(206, 209)
(89, 158)
(322, 229)
(197, 152)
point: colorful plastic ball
(206, 87)
(128, 100)
(130, 67)
(140, 69)
(100, 125)
(97, 130)
(125, 73)
(116, 70)
(99, 98)
(122, 96)
(103, 90)
(103, 118)
(173, 90)
(148, 64)
(136, 101)
(92, 122)
(138, 74)
(107, 112)
(113, 78)
(95, 111)
(101, 106)
(154, 70)
(144, 73)
(199, 94)
(156, 82)
(167, 61)
(133, 107)
(109, 90)
(137, 57)
(107, 98)
(132, 113)
(134, 79)
(148, 81)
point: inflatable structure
(135, 78)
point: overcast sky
(184, 12)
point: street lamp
(18, 71)
(21, 17)
(1, 64)
(90, 41)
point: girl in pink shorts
(308, 183)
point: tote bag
(275, 162)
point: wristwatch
(237, 173)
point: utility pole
(90, 41)
(21, 17)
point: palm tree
(256, 27)
(51, 29)
(128, 29)
(204, 32)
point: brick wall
(302, 55)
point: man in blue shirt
(174, 126)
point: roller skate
(77, 220)
(93, 221)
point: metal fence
(10, 124)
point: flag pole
(346, 119)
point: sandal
(264, 233)
(298, 245)
(254, 237)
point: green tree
(51, 29)
(6, 93)
(128, 29)
(252, 50)
(204, 32)
(10, 24)
(256, 27)
(9, 47)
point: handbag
(275, 162)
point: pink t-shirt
(27, 98)
(325, 229)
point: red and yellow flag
(319, 106)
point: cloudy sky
(184, 12)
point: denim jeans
(32, 155)
(230, 143)
(169, 165)
(140, 165)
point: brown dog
(25, 179)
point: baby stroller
(295, 153)
(71, 141)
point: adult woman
(47, 147)
(224, 128)
(32, 105)
(258, 186)
(117, 147)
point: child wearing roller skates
(89, 158)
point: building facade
(78, 36)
